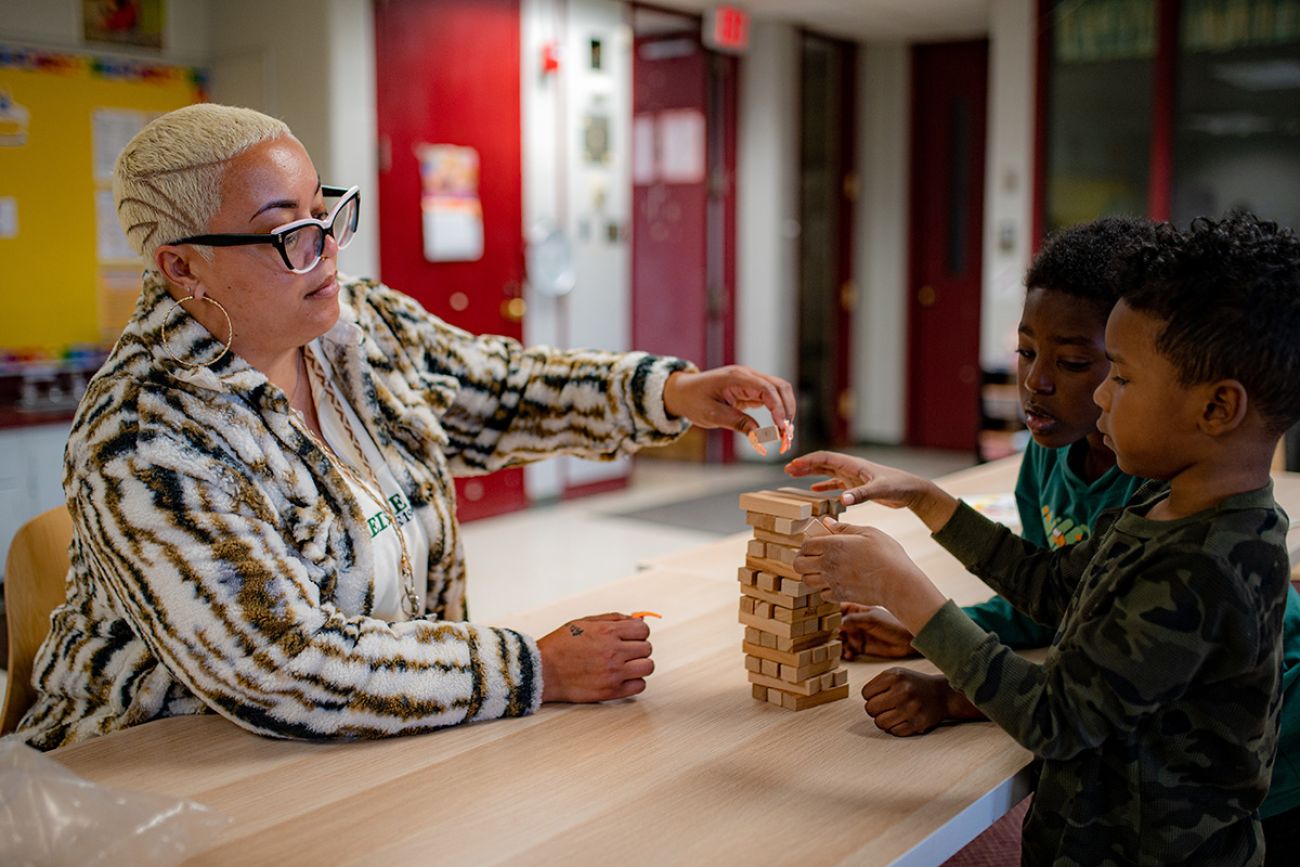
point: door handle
(513, 309)
(926, 296)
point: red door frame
(1160, 183)
(918, 226)
(448, 72)
(848, 173)
(721, 94)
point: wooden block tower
(790, 644)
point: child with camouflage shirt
(1155, 713)
(1068, 478)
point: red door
(949, 96)
(448, 73)
(683, 208)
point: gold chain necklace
(412, 605)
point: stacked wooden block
(790, 648)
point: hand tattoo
(574, 630)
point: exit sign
(726, 28)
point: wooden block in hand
(831, 622)
(768, 434)
(768, 503)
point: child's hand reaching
(866, 566)
(864, 481)
(869, 630)
(905, 702)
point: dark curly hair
(1088, 261)
(1228, 292)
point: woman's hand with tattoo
(597, 658)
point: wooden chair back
(35, 584)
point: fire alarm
(550, 58)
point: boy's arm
(1014, 629)
(1035, 581)
(1137, 653)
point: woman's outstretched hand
(719, 397)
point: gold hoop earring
(230, 331)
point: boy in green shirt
(1156, 710)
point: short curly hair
(1228, 292)
(1088, 261)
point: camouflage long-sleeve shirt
(1155, 712)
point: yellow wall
(50, 273)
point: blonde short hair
(167, 181)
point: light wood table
(692, 771)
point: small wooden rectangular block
(786, 526)
(790, 645)
(746, 604)
(768, 582)
(756, 548)
(795, 658)
(803, 702)
(781, 554)
(776, 567)
(823, 502)
(772, 627)
(789, 541)
(770, 668)
(768, 434)
(795, 674)
(803, 687)
(754, 663)
(794, 615)
(778, 598)
(759, 692)
(746, 576)
(768, 503)
(832, 622)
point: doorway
(449, 75)
(828, 190)
(683, 204)
(949, 98)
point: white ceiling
(868, 20)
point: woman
(260, 477)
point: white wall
(583, 199)
(56, 24)
(1008, 185)
(310, 63)
(880, 244)
(767, 204)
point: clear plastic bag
(51, 816)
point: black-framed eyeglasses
(302, 242)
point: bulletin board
(66, 274)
